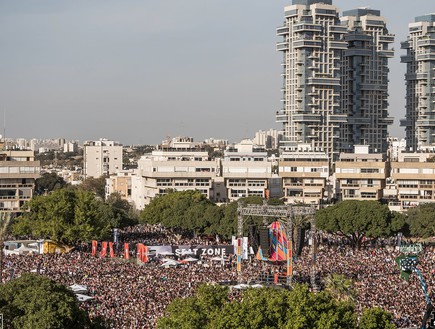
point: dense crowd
(131, 294)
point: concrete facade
(419, 119)
(18, 172)
(101, 158)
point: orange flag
(94, 247)
(103, 249)
(111, 251)
(126, 251)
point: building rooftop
(426, 18)
(362, 12)
(311, 2)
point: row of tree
(269, 308)
(72, 215)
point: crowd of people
(132, 294)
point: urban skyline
(137, 72)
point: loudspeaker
(253, 237)
(300, 241)
(264, 241)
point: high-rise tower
(312, 46)
(365, 81)
(419, 120)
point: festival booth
(51, 247)
(22, 247)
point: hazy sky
(137, 71)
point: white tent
(218, 259)
(78, 288)
(170, 262)
(241, 286)
(257, 285)
(190, 259)
(83, 298)
(166, 253)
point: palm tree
(5, 218)
(340, 287)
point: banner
(245, 247)
(103, 249)
(94, 247)
(126, 251)
(195, 251)
(139, 251)
(145, 254)
(111, 251)
(239, 254)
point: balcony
(282, 30)
(307, 28)
(307, 43)
(338, 45)
(281, 46)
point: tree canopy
(33, 301)
(210, 308)
(68, 216)
(421, 220)
(95, 185)
(190, 210)
(356, 220)
(48, 182)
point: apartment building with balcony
(18, 173)
(305, 176)
(180, 165)
(364, 80)
(361, 175)
(246, 171)
(312, 47)
(419, 119)
(413, 178)
(120, 183)
(101, 158)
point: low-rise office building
(361, 175)
(305, 174)
(413, 176)
(246, 171)
(180, 165)
(18, 173)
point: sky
(139, 71)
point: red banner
(126, 251)
(94, 247)
(111, 251)
(103, 249)
(145, 254)
(142, 252)
(139, 251)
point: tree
(67, 216)
(357, 220)
(122, 210)
(95, 185)
(33, 301)
(376, 318)
(5, 219)
(197, 311)
(186, 210)
(48, 182)
(421, 220)
(258, 309)
(340, 287)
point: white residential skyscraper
(419, 120)
(364, 94)
(312, 46)
(335, 73)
